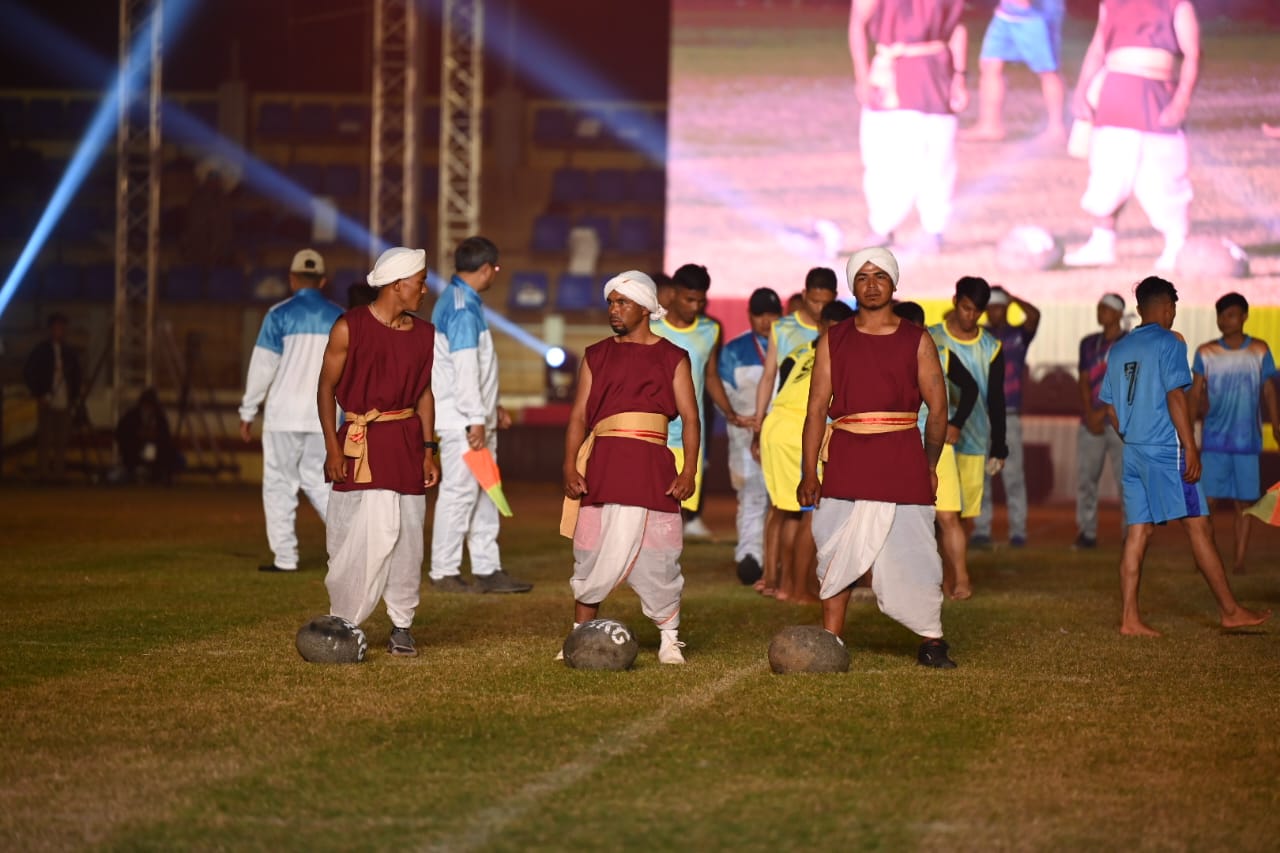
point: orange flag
(485, 469)
(1268, 508)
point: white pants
(899, 542)
(463, 512)
(290, 460)
(1151, 167)
(615, 543)
(753, 497)
(375, 552)
(908, 160)
(1014, 477)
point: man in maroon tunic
(874, 504)
(377, 365)
(618, 468)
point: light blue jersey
(975, 356)
(1234, 379)
(1142, 368)
(789, 334)
(699, 340)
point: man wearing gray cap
(1096, 439)
(284, 368)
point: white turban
(881, 257)
(1111, 300)
(639, 288)
(395, 264)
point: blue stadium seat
(611, 186)
(13, 116)
(275, 119)
(60, 283)
(577, 293)
(46, 118)
(268, 285)
(79, 112)
(569, 186)
(228, 284)
(636, 234)
(314, 122)
(552, 127)
(342, 278)
(550, 233)
(352, 121)
(643, 130)
(602, 225)
(342, 180)
(99, 283)
(205, 111)
(310, 176)
(649, 186)
(529, 291)
(184, 284)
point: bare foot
(759, 586)
(962, 592)
(768, 592)
(781, 595)
(978, 133)
(1138, 628)
(1245, 618)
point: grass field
(151, 699)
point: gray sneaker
(499, 581)
(452, 583)
(401, 643)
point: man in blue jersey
(1235, 373)
(975, 447)
(687, 327)
(464, 377)
(1144, 387)
(741, 366)
(284, 368)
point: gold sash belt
(642, 426)
(883, 76)
(868, 423)
(357, 448)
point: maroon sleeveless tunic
(875, 373)
(386, 370)
(1125, 100)
(924, 82)
(631, 378)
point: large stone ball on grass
(1028, 248)
(331, 639)
(807, 648)
(601, 644)
(1212, 257)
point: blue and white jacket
(464, 376)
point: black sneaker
(451, 583)
(749, 570)
(933, 653)
(499, 581)
(1084, 543)
(979, 540)
(401, 644)
(274, 568)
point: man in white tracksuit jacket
(286, 363)
(464, 377)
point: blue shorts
(1154, 491)
(1034, 38)
(1230, 475)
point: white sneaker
(694, 528)
(560, 654)
(1100, 251)
(669, 651)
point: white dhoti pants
(753, 498)
(898, 541)
(290, 461)
(615, 543)
(1151, 167)
(375, 552)
(908, 160)
(464, 513)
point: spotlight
(554, 357)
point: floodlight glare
(555, 357)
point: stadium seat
(60, 283)
(46, 118)
(314, 122)
(184, 284)
(16, 222)
(13, 116)
(552, 127)
(99, 283)
(649, 186)
(342, 180)
(204, 110)
(268, 285)
(529, 291)
(310, 176)
(602, 225)
(550, 233)
(636, 235)
(275, 119)
(342, 278)
(569, 186)
(228, 284)
(79, 112)
(577, 293)
(352, 121)
(611, 186)
(642, 130)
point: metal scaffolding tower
(137, 203)
(461, 96)
(393, 166)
